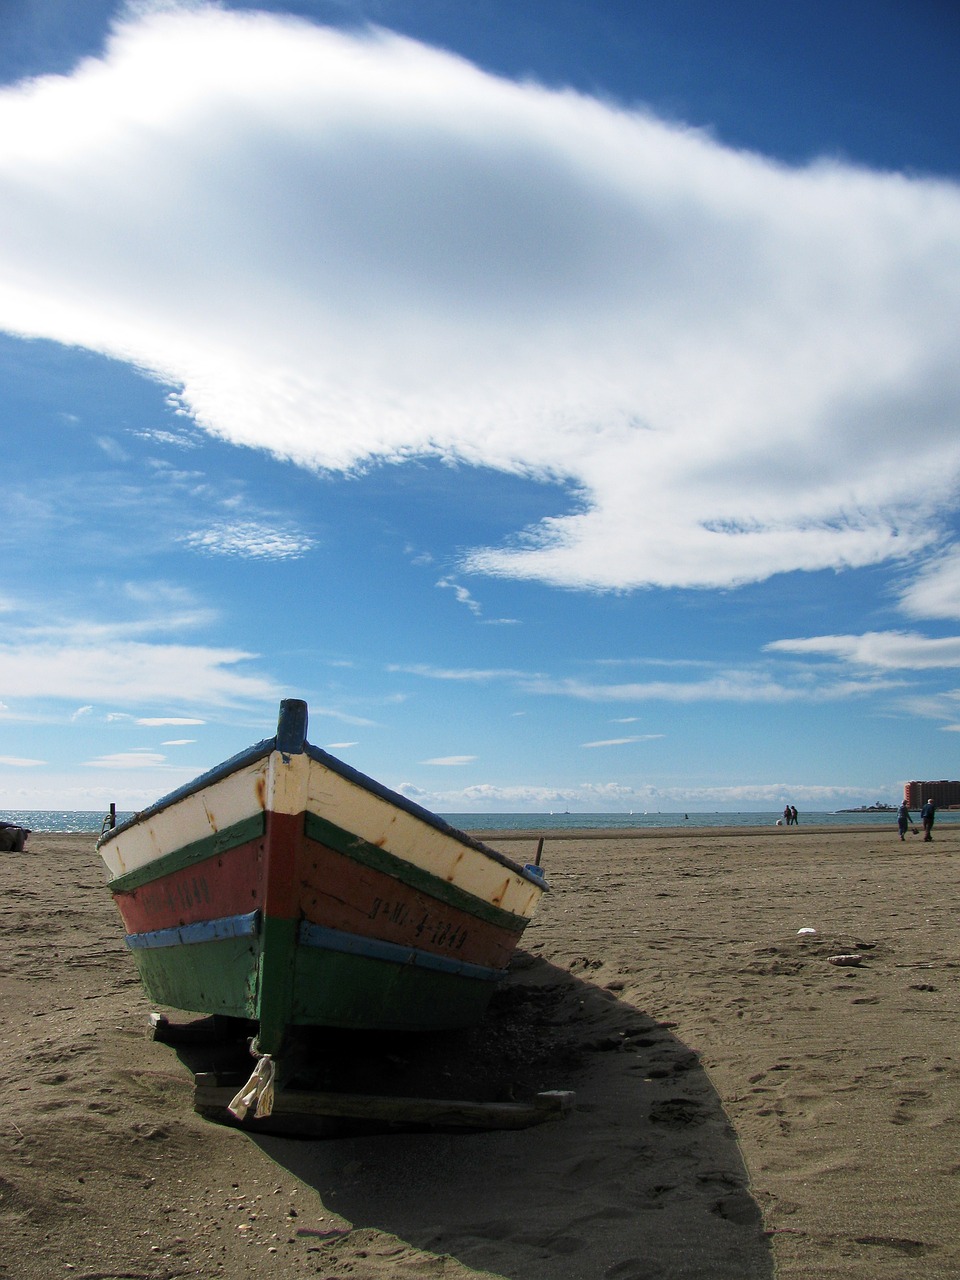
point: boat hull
(286, 888)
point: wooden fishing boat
(286, 888)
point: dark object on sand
(12, 837)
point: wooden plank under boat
(286, 888)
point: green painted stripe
(340, 990)
(197, 851)
(275, 981)
(371, 855)
(208, 977)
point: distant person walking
(903, 819)
(794, 816)
(927, 815)
(787, 815)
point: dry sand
(744, 1107)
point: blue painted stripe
(203, 931)
(315, 935)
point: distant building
(945, 795)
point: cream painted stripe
(195, 817)
(405, 836)
(287, 785)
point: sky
(561, 397)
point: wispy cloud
(451, 761)
(934, 591)
(883, 650)
(735, 686)
(622, 742)
(404, 255)
(462, 594)
(128, 760)
(20, 762)
(477, 674)
(167, 720)
(344, 717)
(179, 439)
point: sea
(80, 820)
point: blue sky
(562, 398)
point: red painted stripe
(340, 893)
(225, 884)
(284, 838)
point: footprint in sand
(677, 1113)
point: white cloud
(167, 720)
(462, 594)
(251, 541)
(178, 742)
(451, 761)
(732, 686)
(180, 440)
(612, 797)
(621, 742)
(935, 590)
(345, 717)
(132, 673)
(478, 674)
(348, 249)
(18, 762)
(140, 759)
(883, 650)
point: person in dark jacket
(927, 815)
(903, 819)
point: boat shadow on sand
(643, 1178)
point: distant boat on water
(871, 808)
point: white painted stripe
(195, 817)
(406, 836)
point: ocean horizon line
(85, 821)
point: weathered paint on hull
(287, 916)
(218, 976)
(330, 988)
(228, 883)
(362, 992)
(399, 904)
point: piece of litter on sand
(845, 959)
(805, 933)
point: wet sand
(744, 1107)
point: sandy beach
(744, 1107)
